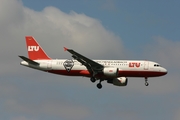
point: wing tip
(65, 48)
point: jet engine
(110, 72)
(121, 81)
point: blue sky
(99, 29)
(132, 20)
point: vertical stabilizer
(35, 52)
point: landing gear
(146, 82)
(93, 79)
(99, 85)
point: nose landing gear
(146, 81)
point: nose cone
(164, 71)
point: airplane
(115, 72)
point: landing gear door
(146, 65)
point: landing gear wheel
(93, 79)
(146, 83)
(99, 85)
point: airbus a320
(115, 72)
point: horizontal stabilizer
(29, 60)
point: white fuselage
(127, 68)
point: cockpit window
(156, 65)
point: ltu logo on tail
(33, 48)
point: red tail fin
(35, 51)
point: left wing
(91, 65)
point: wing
(91, 65)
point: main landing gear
(99, 85)
(93, 79)
(146, 81)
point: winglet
(65, 49)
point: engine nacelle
(121, 81)
(110, 72)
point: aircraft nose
(164, 71)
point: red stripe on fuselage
(141, 73)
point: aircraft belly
(143, 73)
